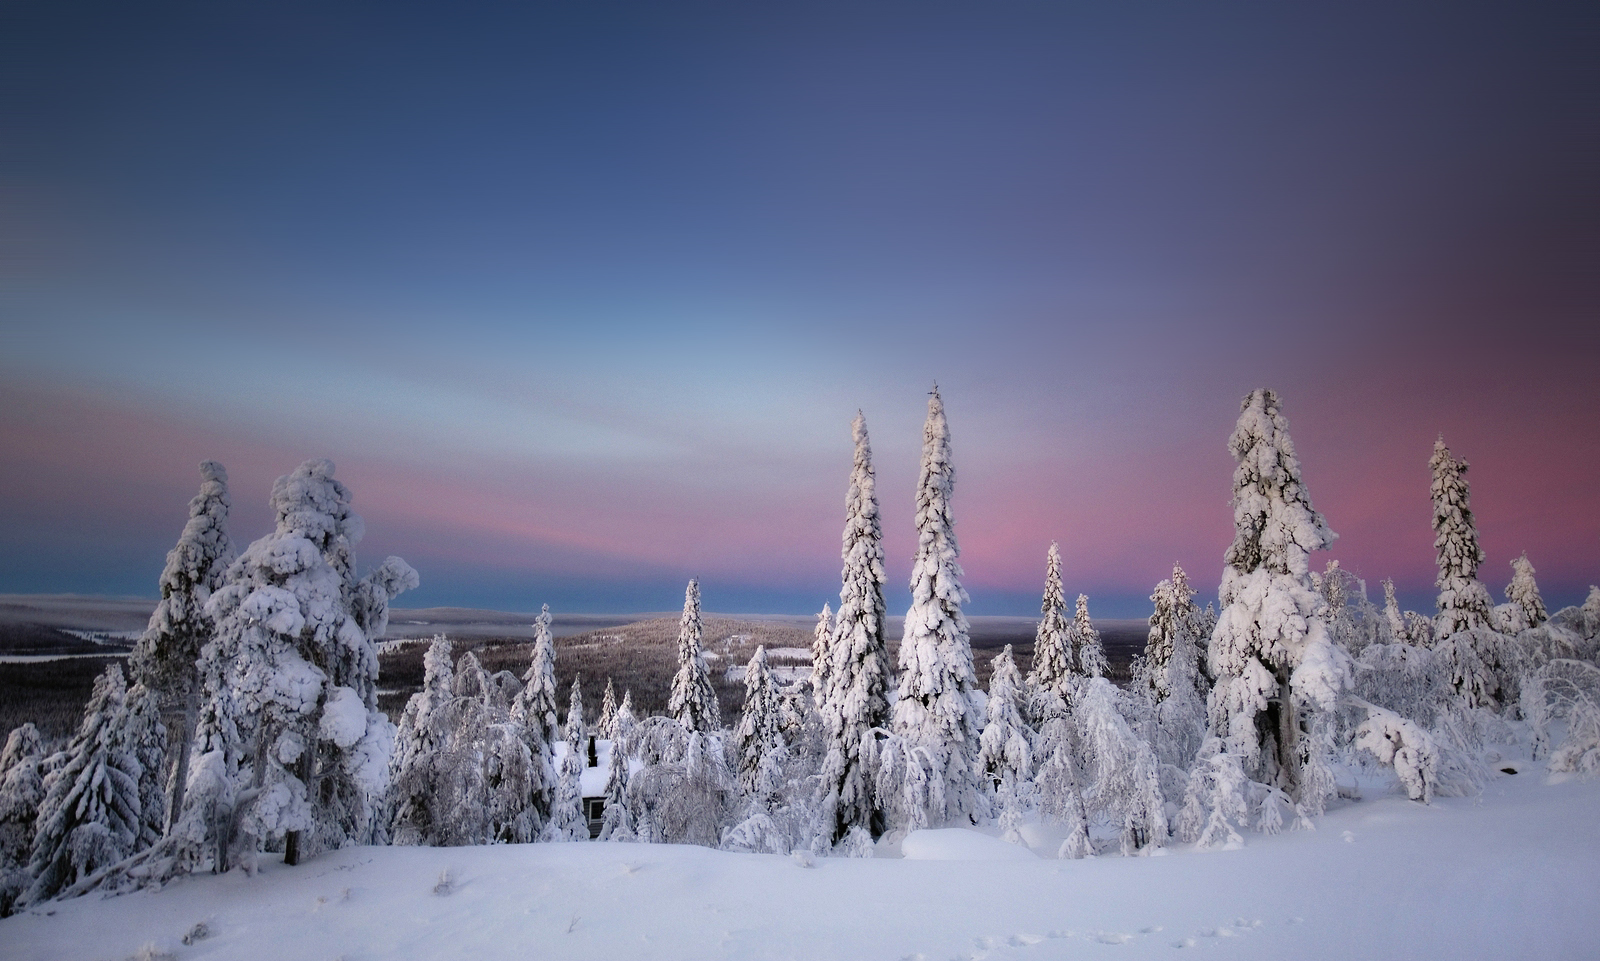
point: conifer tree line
(247, 723)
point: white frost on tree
(758, 739)
(1006, 746)
(852, 698)
(167, 656)
(21, 789)
(291, 635)
(693, 701)
(1403, 745)
(1463, 630)
(1270, 652)
(1050, 681)
(1126, 788)
(936, 713)
(821, 634)
(534, 713)
(92, 814)
(567, 822)
(1523, 593)
(1087, 648)
(606, 726)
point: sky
(581, 298)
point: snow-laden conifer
(92, 814)
(534, 713)
(1523, 591)
(936, 713)
(424, 782)
(606, 726)
(1464, 602)
(1126, 786)
(166, 659)
(821, 635)
(1173, 614)
(21, 790)
(1477, 655)
(758, 738)
(1088, 650)
(618, 818)
(567, 821)
(289, 681)
(852, 698)
(1006, 746)
(693, 701)
(1271, 651)
(626, 719)
(1051, 678)
(682, 792)
(1403, 745)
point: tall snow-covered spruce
(693, 701)
(1270, 652)
(1050, 680)
(936, 714)
(166, 659)
(1463, 629)
(534, 713)
(852, 694)
(294, 750)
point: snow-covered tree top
(1275, 525)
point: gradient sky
(582, 297)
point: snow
(960, 844)
(1510, 874)
(344, 718)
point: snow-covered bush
(1006, 746)
(1403, 745)
(1565, 689)
(1126, 786)
(683, 792)
(936, 713)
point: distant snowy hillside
(1512, 874)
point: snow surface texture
(1512, 875)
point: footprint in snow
(1023, 940)
(1185, 943)
(1112, 937)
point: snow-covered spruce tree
(534, 713)
(820, 636)
(618, 824)
(21, 790)
(1523, 592)
(683, 792)
(422, 779)
(693, 701)
(1270, 652)
(289, 684)
(1463, 630)
(92, 815)
(606, 726)
(1005, 750)
(853, 699)
(1173, 614)
(626, 720)
(167, 656)
(1087, 648)
(758, 738)
(567, 821)
(1051, 679)
(936, 714)
(1126, 788)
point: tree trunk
(1288, 738)
(291, 841)
(180, 772)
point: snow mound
(960, 844)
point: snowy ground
(1511, 874)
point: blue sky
(581, 298)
